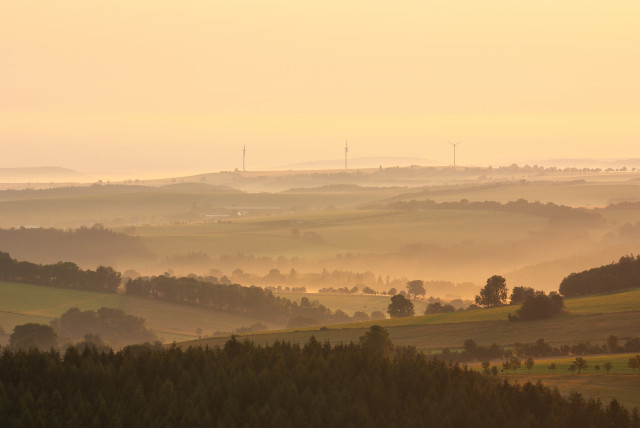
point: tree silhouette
(494, 292)
(608, 366)
(581, 364)
(400, 306)
(32, 335)
(529, 363)
(518, 294)
(416, 287)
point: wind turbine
(346, 151)
(244, 153)
(454, 152)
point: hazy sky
(135, 85)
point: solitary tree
(529, 364)
(400, 307)
(494, 292)
(506, 367)
(470, 346)
(634, 363)
(416, 287)
(515, 363)
(552, 367)
(608, 366)
(581, 364)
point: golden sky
(133, 85)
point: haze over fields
(322, 229)
(122, 114)
(329, 213)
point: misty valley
(372, 297)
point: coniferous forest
(242, 385)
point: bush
(438, 308)
(539, 306)
(378, 315)
(33, 336)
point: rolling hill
(24, 303)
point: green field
(628, 301)
(592, 318)
(23, 303)
(621, 383)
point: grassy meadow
(24, 303)
(592, 318)
(621, 383)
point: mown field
(591, 318)
(23, 303)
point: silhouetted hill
(38, 173)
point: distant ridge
(354, 163)
(38, 173)
(586, 163)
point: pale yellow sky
(137, 85)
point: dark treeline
(474, 352)
(622, 275)
(256, 301)
(61, 274)
(556, 213)
(281, 385)
(86, 245)
(234, 298)
(282, 274)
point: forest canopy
(618, 276)
(318, 385)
